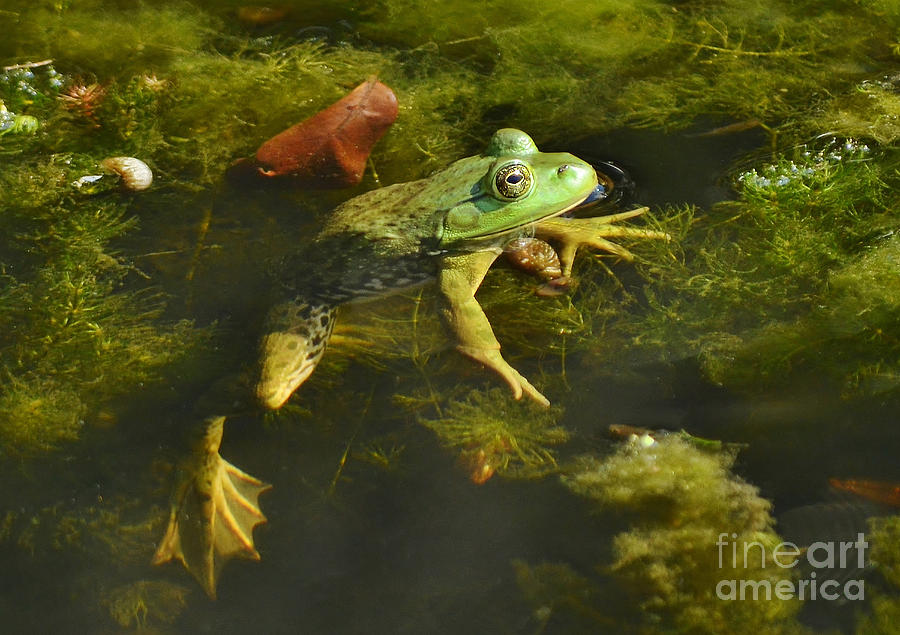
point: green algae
(870, 112)
(557, 591)
(496, 432)
(91, 38)
(41, 415)
(455, 70)
(764, 287)
(72, 316)
(883, 535)
(641, 62)
(146, 602)
(678, 501)
(772, 283)
(121, 529)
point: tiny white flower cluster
(776, 176)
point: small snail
(534, 256)
(539, 258)
(136, 175)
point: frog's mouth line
(536, 220)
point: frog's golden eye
(513, 180)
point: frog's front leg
(571, 233)
(459, 276)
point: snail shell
(534, 256)
(136, 175)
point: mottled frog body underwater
(448, 228)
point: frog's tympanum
(449, 227)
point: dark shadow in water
(688, 166)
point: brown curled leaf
(330, 149)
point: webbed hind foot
(214, 511)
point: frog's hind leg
(214, 511)
(296, 335)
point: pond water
(730, 390)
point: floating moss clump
(871, 112)
(883, 592)
(679, 501)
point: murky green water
(763, 137)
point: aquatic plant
(456, 70)
(495, 433)
(82, 100)
(884, 534)
(764, 287)
(557, 591)
(141, 604)
(68, 321)
(884, 591)
(678, 500)
(90, 37)
(872, 111)
(119, 529)
(772, 282)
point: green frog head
(514, 185)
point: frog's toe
(517, 383)
(213, 515)
(571, 233)
(533, 392)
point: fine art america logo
(829, 562)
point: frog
(446, 229)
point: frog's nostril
(562, 168)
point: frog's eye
(513, 180)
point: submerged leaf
(330, 149)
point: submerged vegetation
(72, 316)
(495, 432)
(111, 300)
(793, 277)
(678, 500)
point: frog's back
(370, 246)
(393, 218)
(382, 241)
(407, 216)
